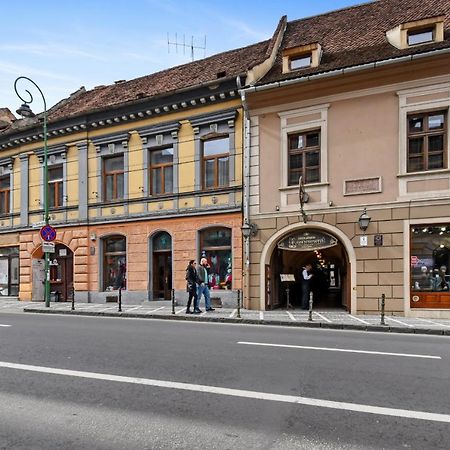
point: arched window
(114, 263)
(215, 245)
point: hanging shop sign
(308, 240)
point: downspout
(246, 194)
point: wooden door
(162, 274)
(61, 272)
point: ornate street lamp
(25, 111)
(364, 220)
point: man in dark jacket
(192, 281)
(203, 288)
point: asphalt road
(100, 383)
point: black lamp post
(25, 111)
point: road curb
(192, 318)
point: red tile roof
(232, 63)
(357, 35)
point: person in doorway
(192, 282)
(306, 285)
(203, 288)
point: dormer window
(421, 36)
(420, 32)
(302, 57)
(300, 62)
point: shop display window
(216, 248)
(114, 263)
(430, 258)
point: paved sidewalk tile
(291, 317)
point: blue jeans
(205, 291)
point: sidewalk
(293, 317)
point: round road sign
(48, 233)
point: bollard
(383, 302)
(73, 299)
(310, 306)
(173, 301)
(239, 304)
(287, 297)
(120, 299)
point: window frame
(5, 196)
(303, 152)
(300, 57)
(59, 187)
(114, 174)
(216, 159)
(161, 167)
(420, 30)
(425, 134)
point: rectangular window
(55, 186)
(216, 162)
(420, 36)
(113, 178)
(161, 171)
(427, 141)
(304, 157)
(300, 62)
(430, 266)
(114, 263)
(5, 188)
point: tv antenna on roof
(185, 45)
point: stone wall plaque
(362, 186)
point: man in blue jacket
(203, 287)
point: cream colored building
(361, 113)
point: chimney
(6, 118)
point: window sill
(424, 173)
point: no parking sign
(48, 233)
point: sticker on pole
(48, 233)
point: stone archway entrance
(327, 249)
(61, 274)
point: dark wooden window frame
(5, 194)
(160, 167)
(424, 134)
(59, 186)
(303, 152)
(114, 174)
(216, 159)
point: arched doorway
(161, 245)
(61, 274)
(333, 261)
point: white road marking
(345, 350)
(355, 407)
(323, 317)
(261, 315)
(154, 310)
(133, 309)
(4, 325)
(291, 316)
(358, 319)
(233, 313)
(400, 322)
(181, 310)
(435, 323)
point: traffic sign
(48, 233)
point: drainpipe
(246, 193)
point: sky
(63, 45)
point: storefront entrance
(61, 274)
(329, 269)
(9, 271)
(162, 266)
